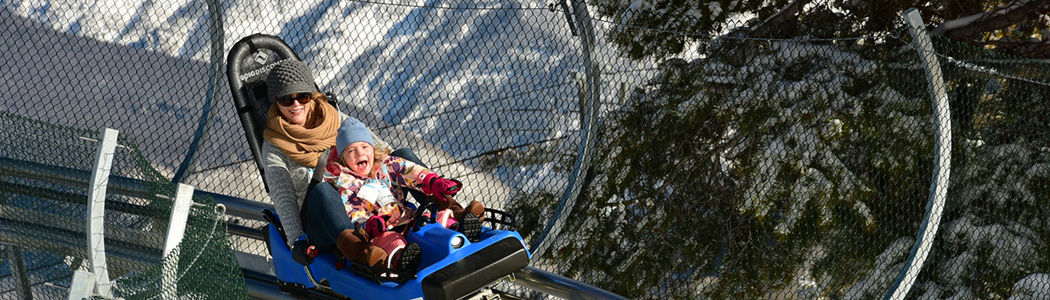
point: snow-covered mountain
(460, 78)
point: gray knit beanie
(290, 76)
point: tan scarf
(303, 143)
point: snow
(715, 8)
(888, 264)
(804, 147)
(629, 12)
(1011, 243)
(1034, 286)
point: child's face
(358, 157)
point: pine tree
(801, 168)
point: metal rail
(559, 286)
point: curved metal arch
(589, 100)
(941, 162)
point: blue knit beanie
(350, 131)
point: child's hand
(440, 187)
(375, 226)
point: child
(370, 183)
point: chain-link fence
(785, 162)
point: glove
(375, 226)
(440, 187)
(302, 252)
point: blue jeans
(324, 216)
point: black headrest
(247, 67)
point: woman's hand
(303, 252)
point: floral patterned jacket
(383, 195)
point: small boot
(356, 248)
(470, 226)
(469, 219)
(475, 208)
(408, 258)
(404, 256)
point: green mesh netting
(204, 265)
(44, 175)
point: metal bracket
(96, 245)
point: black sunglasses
(303, 99)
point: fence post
(97, 209)
(589, 101)
(180, 212)
(81, 286)
(941, 161)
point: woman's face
(295, 110)
(358, 157)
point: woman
(300, 126)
